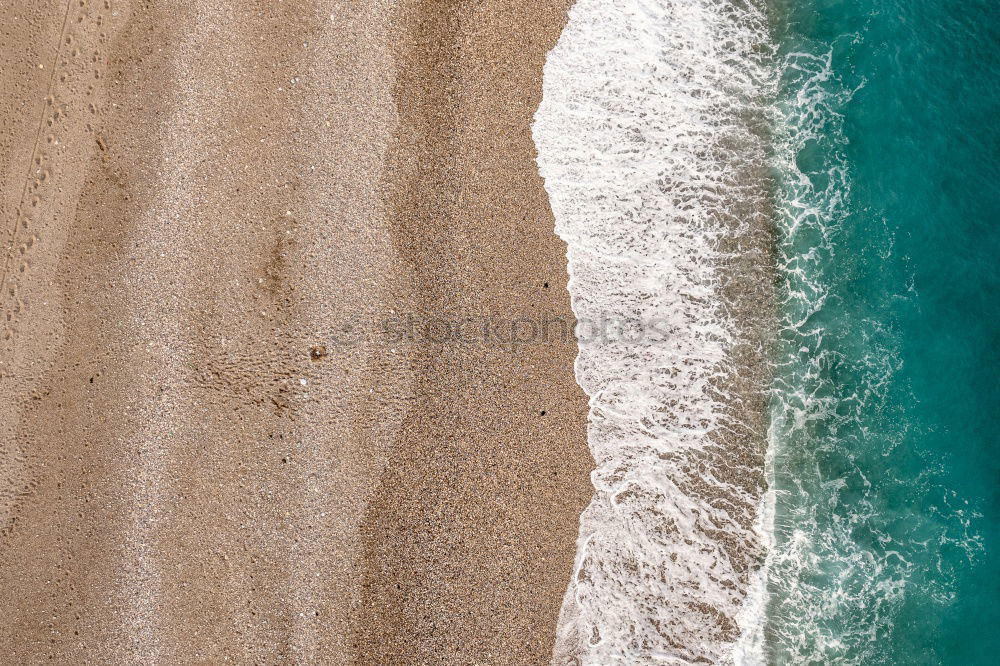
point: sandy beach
(248, 411)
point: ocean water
(864, 132)
(647, 144)
(884, 428)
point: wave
(650, 143)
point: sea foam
(654, 167)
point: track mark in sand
(47, 101)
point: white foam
(641, 136)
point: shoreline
(477, 521)
(670, 224)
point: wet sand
(217, 446)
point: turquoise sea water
(885, 405)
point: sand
(218, 443)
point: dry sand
(213, 450)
